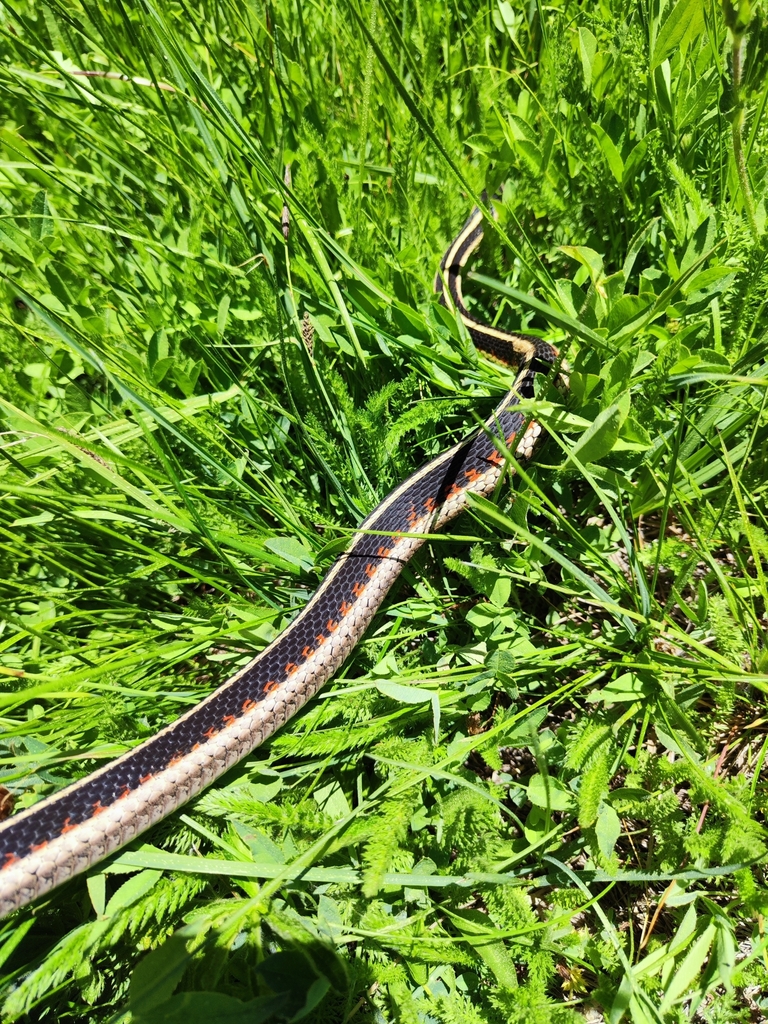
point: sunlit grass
(537, 788)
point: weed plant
(537, 791)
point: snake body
(68, 832)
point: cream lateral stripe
(450, 259)
(328, 581)
(92, 840)
(457, 255)
(326, 584)
(519, 343)
(78, 826)
(128, 817)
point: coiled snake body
(72, 830)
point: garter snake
(75, 828)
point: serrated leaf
(481, 144)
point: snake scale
(67, 833)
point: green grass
(537, 791)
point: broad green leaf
(663, 959)
(599, 439)
(403, 694)
(97, 890)
(212, 1008)
(611, 153)
(478, 931)
(587, 51)
(701, 243)
(314, 996)
(549, 793)
(15, 240)
(588, 258)
(708, 283)
(291, 551)
(607, 829)
(245, 315)
(332, 801)
(222, 314)
(634, 161)
(726, 951)
(412, 695)
(292, 975)
(158, 974)
(132, 890)
(40, 221)
(506, 15)
(622, 999)
(627, 687)
(676, 743)
(688, 971)
(684, 22)
(266, 788)
(624, 313)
